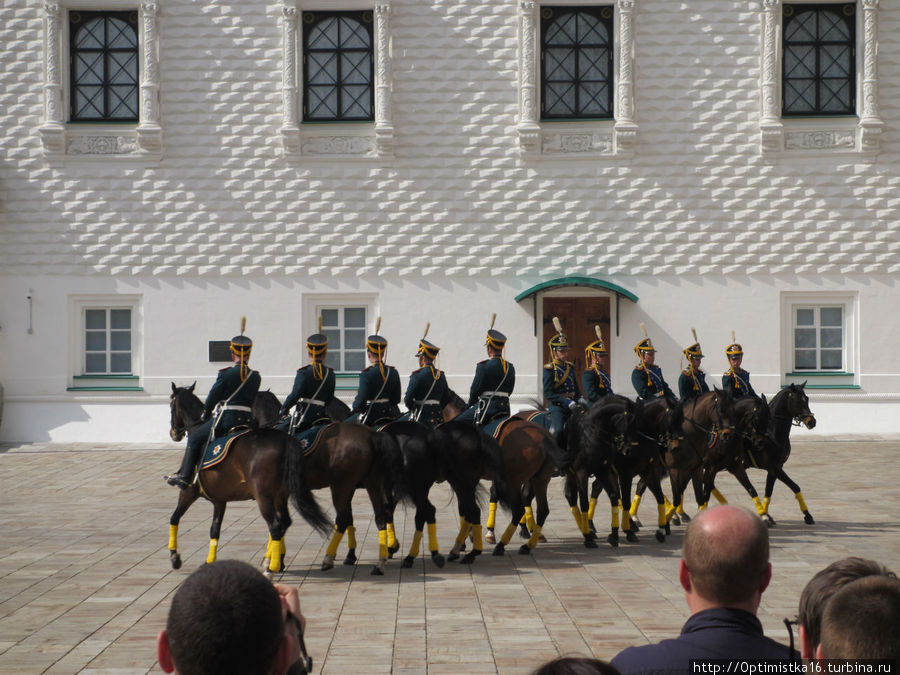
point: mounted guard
(427, 392)
(647, 377)
(736, 379)
(313, 388)
(559, 383)
(495, 379)
(379, 387)
(227, 407)
(692, 381)
(595, 381)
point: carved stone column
(149, 131)
(290, 100)
(626, 127)
(528, 127)
(53, 129)
(384, 126)
(870, 124)
(770, 125)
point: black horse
(264, 465)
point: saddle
(217, 449)
(309, 438)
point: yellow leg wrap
(282, 549)
(592, 506)
(173, 537)
(463, 531)
(665, 501)
(702, 507)
(477, 539)
(391, 536)
(680, 508)
(626, 520)
(614, 522)
(432, 537)
(635, 504)
(661, 515)
(760, 509)
(801, 501)
(507, 534)
(331, 551)
(416, 542)
(351, 537)
(213, 546)
(719, 496)
(533, 540)
(492, 515)
(766, 502)
(529, 519)
(275, 556)
(670, 509)
(579, 521)
(586, 522)
(382, 544)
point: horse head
(798, 405)
(266, 407)
(185, 410)
(605, 428)
(454, 406)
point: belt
(311, 401)
(428, 401)
(379, 400)
(239, 408)
(488, 394)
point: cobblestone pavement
(85, 579)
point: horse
(263, 465)
(789, 407)
(347, 455)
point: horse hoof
(591, 526)
(392, 550)
(351, 557)
(377, 571)
(685, 518)
(453, 556)
(499, 549)
(631, 536)
(437, 559)
(408, 562)
(523, 531)
(524, 549)
(589, 543)
(660, 535)
(675, 520)
(635, 526)
(613, 539)
(808, 519)
(176, 560)
(489, 536)
(768, 520)
(327, 564)
(469, 558)
(636, 521)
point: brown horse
(345, 456)
(263, 465)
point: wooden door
(578, 316)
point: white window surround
(313, 301)
(849, 301)
(336, 140)
(577, 139)
(62, 139)
(817, 135)
(77, 304)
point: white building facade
(168, 167)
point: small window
(576, 62)
(345, 328)
(107, 342)
(819, 338)
(819, 64)
(105, 66)
(338, 66)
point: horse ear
(803, 386)
(763, 398)
(191, 388)
(174, 388)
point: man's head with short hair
(225, 618)
(862, 621)
(820, 589)
(725, 559)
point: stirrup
(177, 480)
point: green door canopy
(562, 282)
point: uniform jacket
(560, 386)
(227, 383)
(427, 384)
(595, 384)
(648, 382)
(691, 383)
(307, 389)
(720, 633)
(489, 377)
(371, 383)
(738, 381)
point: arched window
(576, 62)
(338, 66)
(105, 67)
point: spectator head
(725, 559)
(576, 665)
(225, 618)
(819, 590)
(862, 621)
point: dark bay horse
(263, 465)
(347, 456)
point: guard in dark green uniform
(560, 386)
(647, 378)
(313, 387)
(692, 381)
(494, 381)
(595, 382)
(736, 379)
(227, 407)
(427, 392)
(379, 386)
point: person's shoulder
(548, 366)
(653, 659)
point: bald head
(726, 553)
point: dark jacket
(738, 382)
(427, 392)
(489, 378)
(692, 383)
(310, 394)
(228, 387)
(649, 383)
(377, 396)
(595, 384)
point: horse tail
(389, 458)
(301, 495)
(494, 456)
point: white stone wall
(702, 227)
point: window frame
(816, 328)
(82, 380)
(314, 303)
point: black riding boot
(195, 444)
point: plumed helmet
(495, 338)
(558, 341)
(241, 344)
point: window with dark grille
(819, 65)
(104, 66)
(576, 62)
(345, 328)
(338, 66)
(107, 341)
(819, 338)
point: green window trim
(113, 385)
(104, 389)
(347, 376)
(819, 373)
